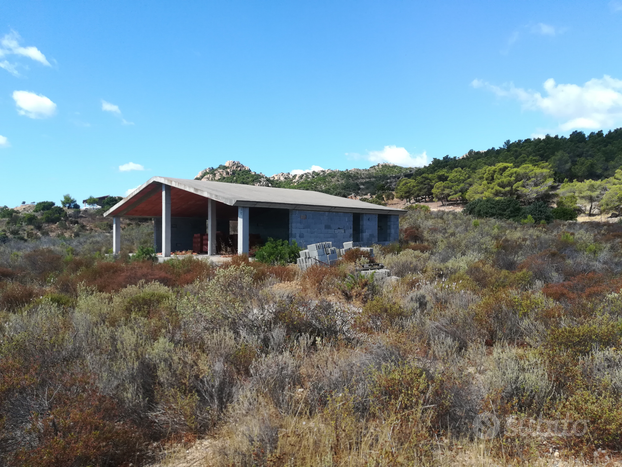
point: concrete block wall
(394, 228)
(182, 231)
(308, 227)
(369, 229)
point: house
(238, 213)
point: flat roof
(237, 195)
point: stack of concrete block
(318, 253)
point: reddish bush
(353, 255)
(43, 262)
(321, 280)
(81, 427)
(411, 235)
(110, 277)
(544, 265)
(583, 287)
(16, 295)
(6, 273)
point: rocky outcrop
(353, 182)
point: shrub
(278, 252)
(320, 280)
(411, 234)
(355, 254)
(418, 207)
(53, 215)
(562, 213)
(379, 314)
(539, 211)
(44, 206)
(145, 253)
(499, 208)
(15, 295)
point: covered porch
(180, 216)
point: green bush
(277, 252)
(31, 219)
(145, 253)
(44, 206)
(499, 208)
(563, 213)
(6, 213)
(53, 215)
(539, 211)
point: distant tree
(526, 183)
(612, 200)
(454, 188)
(589, 193)
(44, 206)
(69, 202)
(53, 215)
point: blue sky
(97, 97)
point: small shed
(232, 216)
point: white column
(166, 221)
(243, 230)
(211, 227)
(116, 235)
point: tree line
(583, 172)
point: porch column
(166, 221)
(211, 227)
(116, 235)
(243, 230)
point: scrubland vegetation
(113, 362)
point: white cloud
(11, 68)
(394, 155)
(108, 107)
(10, 45)
(314, 168)
(595, 105)
(114, 109)
(544, 29)
(4, 142)
(130, 166)
(129, 191)
(33, 105)
(398, 156)
(538, 136)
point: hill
(353, 182)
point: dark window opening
(356, 227)
(383, 227)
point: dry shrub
(379, 314)
(597, 417)
(583, 287)
(111, 277)
(282, 273)
(485, 276)
(320, 281)
(412, 234)
(318, 319)
(42, 262)
(406, 262)
(80, 426)
(16, 295)
(546, 266)
(187, 270)
(418, 247)
(355, 254)
(6, 273)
